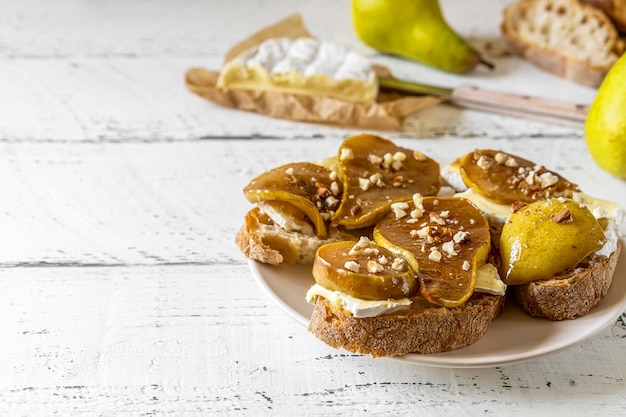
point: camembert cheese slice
(302, 66)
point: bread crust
(262, 240)
(559, 62)
(568, 296)
(425, 328)
(615, 10)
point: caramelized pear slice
(448, 239)
(363, 270)
(308, 187)
(506, 178)
(376, 173)
(546, 238)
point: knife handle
(536, 108)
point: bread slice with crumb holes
(572, 40)
(262, 240)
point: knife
(518, 105)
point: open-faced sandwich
(558, 246)
(400, 268)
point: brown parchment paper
(387, 113)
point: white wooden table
(121, 289)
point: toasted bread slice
(573, 40)
(425, 328)
(614, 9)
(571, 295)
(264, 241)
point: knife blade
(511, 104)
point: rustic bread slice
(614, 9)
(572, 40)
(568, 296)
(425, 328)
(264, 241)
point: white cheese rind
(358, 307)
(302, 66)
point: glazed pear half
(376, 173)
(445, 240)
(304, 186)
(363, 270)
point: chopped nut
(364, 184)
(331, 201)
(374, 267)
(346, 153)
(511, 162)
(289, 171)
(383, 260)
(377, 179)
(399, 209)
(516, 206)
(396, 166)
(397, 264)
(548, 179)
(419, 207)
(419, 156)
(334, 188)
(435, 255)
(423, 232)
(500, 157)
(484, 162)
(356, 210)
(322, 191)
(466, 266)
(359, 246)
(445, 214)
(417, 213)
(563, 216)
(333, 175)
(371, 252)
(460, 236)
(387, 160)
(374, 159)
(436, 218)
(399, 156)
(418, 199)
(449, 248)
(351, 266)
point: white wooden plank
(188, 340)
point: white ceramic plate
(513, 337)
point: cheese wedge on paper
(302, 66)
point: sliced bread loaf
(573, 40)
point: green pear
(605, 127)
(414, 29)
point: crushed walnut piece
(374, 267)
(346, 153)
(352, 266)
(515, 207)
(563, 216)
(419, 156)
(399, 209)
(397, 264)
